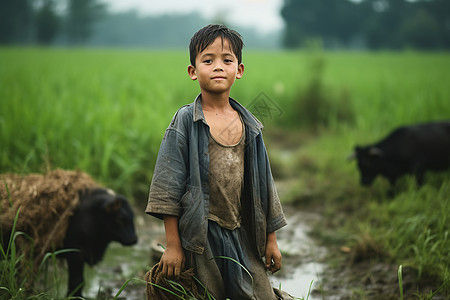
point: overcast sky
(264, 15)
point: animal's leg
(76, 279)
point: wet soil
(373, 280)
(303, 258)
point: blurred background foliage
(339, 24)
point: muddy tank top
(226, 180)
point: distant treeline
(43, 21)
(366, 24)
(90, 23)
(374, 24)
(165, 31)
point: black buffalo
(100, 217)
(411, 149)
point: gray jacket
(180, 181)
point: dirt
(373, 280)
(303, 258)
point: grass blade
(400, 281)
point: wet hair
(207, 35)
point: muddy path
(303, 258)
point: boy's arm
(273, 254)
(172, 261)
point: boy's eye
(207, 61)
(228, 60)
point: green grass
(20, 278)
(105, 112)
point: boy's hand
(172, 262)
(273, 254)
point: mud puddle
(303, 258)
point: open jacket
(180, 185)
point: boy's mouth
(219, 78)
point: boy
(212, 182)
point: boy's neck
(215, 102)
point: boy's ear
(192, 72)
(240, 71)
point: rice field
(104, 111)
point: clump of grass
(19, 277)
(418, 229)
(10, 283)
(316, 106)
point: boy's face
(216, 68)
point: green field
(105, 111)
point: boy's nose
(218, 68)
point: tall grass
(99, 111)
(105, 111)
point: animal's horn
(113, 205)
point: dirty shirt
(226, 178)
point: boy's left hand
(273, 254)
